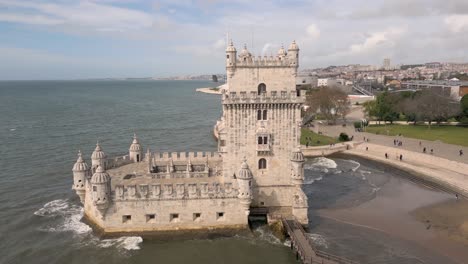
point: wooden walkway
(305, 250)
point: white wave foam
(321, 162)
(318, 240)
(71, 216)
(52, 208)
(310, 181)
(12, 129)
(127, 242)
(355, 163)
(338, 172)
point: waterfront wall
(328, 150)
(450, 174)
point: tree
(464, 105)
(428, 106)
(330, 102)
(383, 107)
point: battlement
(264, 61)
(186, 156)
(263, 98)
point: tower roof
(230, 47)
(297, 155)
(80, 164)
(100, 176)
(281, 51)
(135, 146)
(293, 46)
(98, 153)
(244, 172)
(245, 52)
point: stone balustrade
(176, 191)
(267, 97)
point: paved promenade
(443, 150)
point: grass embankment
(317, 140)
(447, 134)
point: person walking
(386, 155)
(401, 157)
(432, 151)
(461, 152)
(424, 150)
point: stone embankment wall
(328, 150)
(450, 174)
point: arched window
(259, 115)
(264, 114)
(260, 140)
(261, 88)
(265, 140)
(262, 163)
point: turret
(293, 54)
(135, 151)
(101, 188)
(231, 55)
(245, 55)
(80, 171)
(297, 170)
(98, 158)
(244, 180)
(282, 53)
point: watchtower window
(227, 56)
(260, 140)
(265, 140)
(261, 88)
(262, 163)
(262, 115)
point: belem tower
(259, 164)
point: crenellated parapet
(175, 191)
(271, 97)
(168, 165)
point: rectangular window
(126, 218)
(222, 143)
(220, 216)
(94, 188)
(174, 218)
(150, 218)
(196, 216)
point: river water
(44, 123)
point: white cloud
(83, 14)
(313, 31)
(377, 39)
(457, 23)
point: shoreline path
(445, 167)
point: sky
(65, 39)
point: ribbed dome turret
(98, 153)
(230, 47)
(245, 52)
(100, 176)
(244, 172)
(135, 146)
(80, 164)
(281, 51)
(293, 46)
(297, 155)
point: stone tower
(101, 188)
(261, 122)
(135, 151)
(98, 158)
(80, 173)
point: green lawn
(448, 134)
(324, 140)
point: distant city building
(386, 64)
(452, 88)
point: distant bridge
(305, 250)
